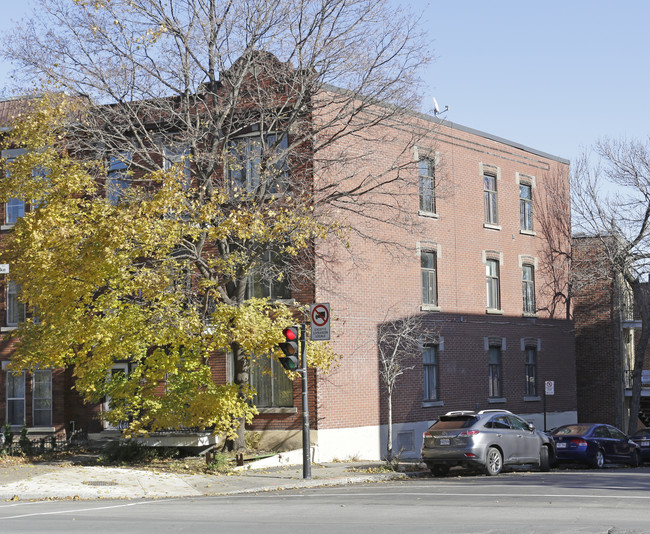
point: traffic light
(291, 359)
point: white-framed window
(258, 164)
(490, 198)
(429, 270)
(178, 154)
(426, 173)
(492, 282)
(14, 208)
(15, 308)
(16, 398)
(118, 179)
(273, 388)
(528, 288)
(270, 278)
(430, 356)
(526, 206)
(42, 397)
(495, 387)
(530, 369)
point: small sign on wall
(4, 268)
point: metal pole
(544, 407)
(306, 446)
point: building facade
(460, 249)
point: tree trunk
(389, 439)
(242, 379)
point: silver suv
(485, 440)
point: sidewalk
(51, 481)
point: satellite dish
(436, 108)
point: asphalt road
(563, 501)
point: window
(426, 172)
(270, 278)
(494, 372)
(526, 206)
(178, 154)
(430, 364)
(118, 180)
(16, 398)
(492, 283)
(256, 166)
(531, 371)
(528, 288)
(42, 398)
(490, 198)
(15, 209)
(15, 308)
(272, 385)
(428, 264)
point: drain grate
(99, 483)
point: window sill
(430, 307)
(490, 226)
(8, 328)
(493, 311)
(497, 400)
(532, 398)
(428, 214)
(528, 232)
(7, 226)
(530, 315)
(278, 410)
(432, 404)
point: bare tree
(254, 97)
(398, 345)
(611, 200)
(552, 208)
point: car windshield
(578, 430)
(453, 422)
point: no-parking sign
(320, 322)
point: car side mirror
(531, 427)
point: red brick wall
(374, 282)
(598, 351)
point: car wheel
(494, 462)
(544, 460)
(599, 460)
(635, 459)
(439, 470)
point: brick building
(462, 252)
(469, 264)
(607, 325)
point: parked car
(642, 439)
(486, 440)
(594, 444)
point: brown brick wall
(374, 283)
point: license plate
(561, 445)
(645, 444)
(444, 441)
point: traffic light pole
(306, 445)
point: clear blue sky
(553, 75)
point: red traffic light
(290, 348)
(291, 333)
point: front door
(118, 369)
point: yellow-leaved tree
(234, 136)
(108, 280)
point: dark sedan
(594, 444)
(642, 439)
